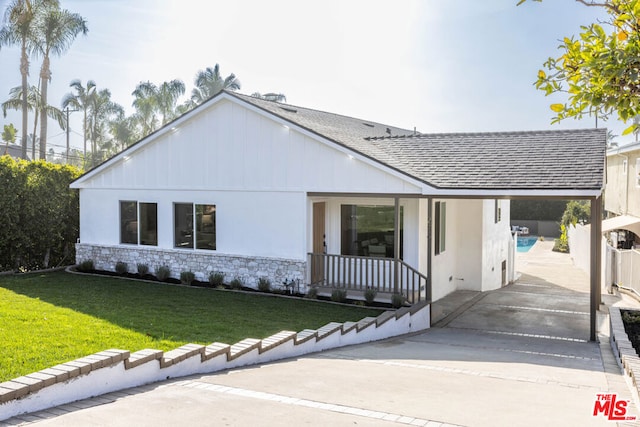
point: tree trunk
(45, 76)
(24, 70)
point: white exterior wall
(230, 147)
(458, 267)
(256, 170)
(467, 237)
(247, 223)
(495, 244)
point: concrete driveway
(518, 356)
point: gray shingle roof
(534, 160)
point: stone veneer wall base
(249, 269)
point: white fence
(622, 268)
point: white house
(255, 188)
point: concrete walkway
(518, 356)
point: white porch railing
(360, 273)
(622, 268)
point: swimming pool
(525, 243)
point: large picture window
(138, 223)
(368, 230)
(195, 224)
(440, 227)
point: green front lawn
(47, 319)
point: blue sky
(439, 66)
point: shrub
(187, 277)
(312, 293)
(39, 214)
(397, 300)
(562, 243)
(143, 269)
(370, 295)
(236, 283)
(86, 265)
(264, 284)
(121, 268)
(216, 279)
(339, 295)
(163, 273)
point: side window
(440, 227)
(138, 223)
(183, 225)
(129, 222)
(497, 212)
(206, 227)
(149, 224)
(195, 225)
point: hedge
(38, 214)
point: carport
(558, 165)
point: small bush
(264, 284)
(86, 265)
(370, 295)
(121, 267)
(216, 279)
(397, 300)
(187, 277)
(312, 293)
(339, 295)
(143, 269)
(163, 273)
(236, 283)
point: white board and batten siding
(256, 169)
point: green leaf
(557, 107)
(629, 130)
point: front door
(319, 243)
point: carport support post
(396, 243)
(595, 264)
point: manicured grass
(46, 319)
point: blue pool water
(525, 243)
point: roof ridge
(471, 134)
(293, 106)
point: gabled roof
(530, 161)
(535, 160)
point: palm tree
(19, 28)
(56, 29)
(34, 103)
(81, 101)
(122, 130)
(152, 101)
(101, 110)
(167, 98)
(9, 135)
(209, 82)
(145, 105)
